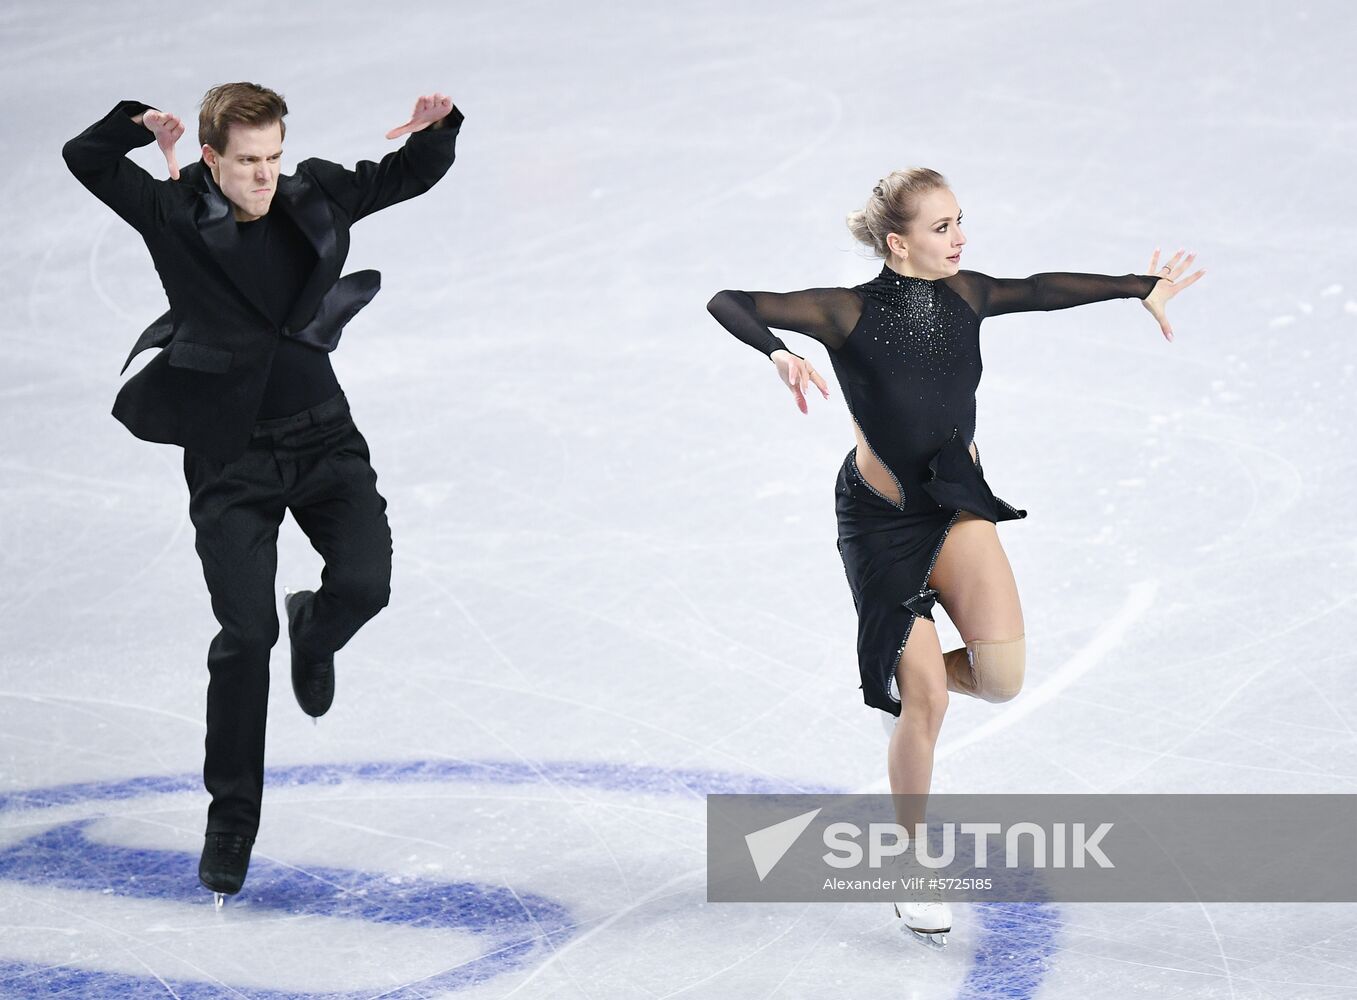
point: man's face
(247, 169)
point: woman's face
(934, 241)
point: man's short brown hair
(237, 104)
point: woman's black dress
(907, 355)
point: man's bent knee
(364, 593)
(989, 669)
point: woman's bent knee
(999, 666)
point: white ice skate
(920, 906)
(928, 922)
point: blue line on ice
(689, 783)
(1010, 960)
(518, 926)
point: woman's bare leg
(976, 587)
(975, 582)
(922, 682)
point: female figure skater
(916, 519)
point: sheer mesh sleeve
(1052, 290)
(827, 314)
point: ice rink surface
(616, 587)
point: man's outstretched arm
(409, 171)
(98, 159)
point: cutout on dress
(889, 491)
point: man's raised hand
(167, 129)
(428, 110)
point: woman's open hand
(1168, 285)
(798, 375)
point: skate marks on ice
(1137, 604)
(482, 930)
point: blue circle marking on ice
(1013, 954)
(518, 927)
(515, 926)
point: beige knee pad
(989, 669)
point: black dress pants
(316, 465)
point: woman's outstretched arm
(1062, 289)
(826, 314)
(1050, 290)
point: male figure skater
(250, 260)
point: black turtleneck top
(278, 258)
(907, 350)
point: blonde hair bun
(892, 207)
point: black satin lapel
(349, 294)
(217, 226)
(310, 212)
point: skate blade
(218, 900)
(934, 939)
(937, 940)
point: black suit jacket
(204, 389)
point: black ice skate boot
(225, 860)
(313, 681)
